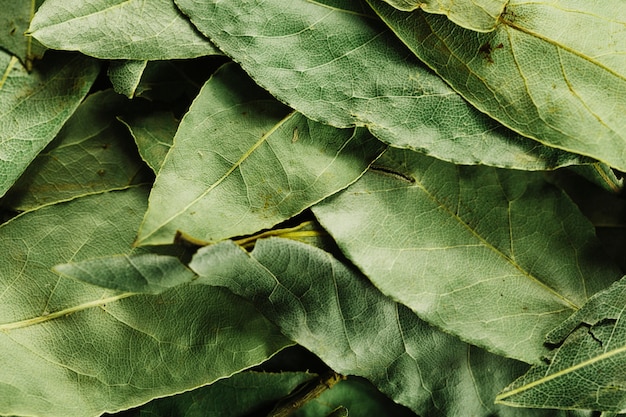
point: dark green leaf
(240, 163)
(563, 84)
(345, 69)
(34, 106)
(14, 21)
(497, 257)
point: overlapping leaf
(334, 312)
(34, 106)
(119, 29)
(14, 21)
(125, 76)
(588, 371)
(94, 350)
(344, 68)
(91, 153)
(553, 71)
(240, 164)
(497, 257)
(476, 15)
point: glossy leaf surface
(34, 106)
(91, 153)
(240, 164)
(119, 29)
(587, 371)
(297, 49)
(334, 312)
(497, 257)
(481, 15)
(95, 350)
(563, 83)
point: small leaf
(588, 371)
(125, 76)
(563, 84)
(240, 164)
(14, 21)
(34, 106)
(97, 351)
(497, 257)
(144, 274)
(116, 29)
(481, 15)
(91, 153)
(347, 69)
(334, 312)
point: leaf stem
(308, 392)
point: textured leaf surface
(497, 257)
(119, 29)
(91, 153)
(588, 371)
(94, 350)
(144, 274)
(125, 76)
(553, 71)
(478, 15)
(153, 133)
(14, 21)
(240, 395)
(297, 49)
(337, 314)
(240, 164)
(34, 106)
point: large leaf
(481, 15)
(34, 106)
(14, 20)
(337, 314)
(554, 71)
(588, 371)
(91, 153)
(345, 69)
(93, 350)
(119, 29)
(240, 164)
(497, 257)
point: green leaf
(153, 133)
(34, 106)
(94, 350)
(334, 312)
(347, 69)
(145, 274)
(119, 29)
(240, 163)
(497, 257)
(562, 84)
(14, 20)
(240, 395)
(125, 76)
(91, 153)
(481, 15)
(588, 370)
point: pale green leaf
(344, 69)
(91, 153)
(497, 257)
(588, 371)
(153, 133)
(242, 394)
(34, 106)
(553, 71)
(125, 76)
(14, 21)
(146, 273)
(119, 29)
(478, 15)
(93, 350)
(334, 312)
(240, 163)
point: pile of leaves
(329, 207)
